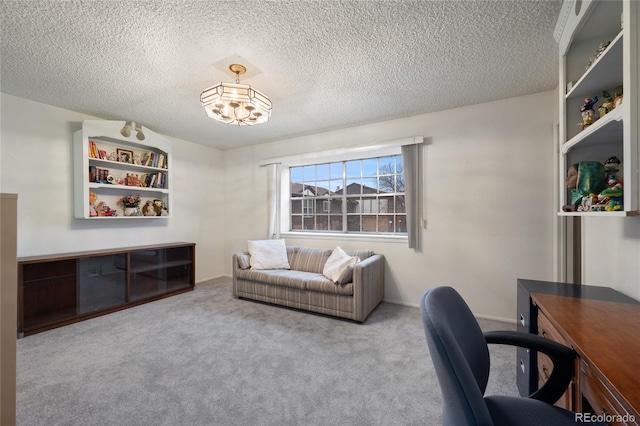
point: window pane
(309, 173)
(322, 188)
(335, 223)
(370, 186)
(322, 171)
(385, 205)
(354, 186)
(335, 205)
(307, 206)
(369, 223)
(400, 206)
(401, 223)
(296, 174)
(399, 183)
(353, 168)
(353, 223)
(335, 170)
(309, 223)
(296, 222)
(370, 167)
(388, 184)
(296, 206)
(354, 205)
(387, 165)
(322, 222)
(385, 223)
(335, 186)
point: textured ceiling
(324, 64)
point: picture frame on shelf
(124, 155)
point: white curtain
(273, 194)
(411, 171)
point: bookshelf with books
(118, 177)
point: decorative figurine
(617, 100)
(607, 106)
(612, 197)
(104, 210)
(612, 166)
(92, 200)
(588, 114)
(148, 208)
(583, 179)
(603, 46)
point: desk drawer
(601, 399)
(545, 366)
(546, 329)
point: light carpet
(204, 358)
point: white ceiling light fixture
(236, 103)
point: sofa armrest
(368, 285)
(235, 267)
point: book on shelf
(98, 175)
(93, 150)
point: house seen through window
(359, 196)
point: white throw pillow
(337, 263)
(268, 254)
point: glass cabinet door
(101, 282)
(49, 293)
(156, 272)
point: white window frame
(381, 149)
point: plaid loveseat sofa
(304, 287)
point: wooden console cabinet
(62, 289)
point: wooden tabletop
(605, 334)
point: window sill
(343, 236)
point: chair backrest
(460, 356)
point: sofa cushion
(309, 259)
(295, 279)
(337, 266)
(320, 283)
(268, 254)
(281, 277)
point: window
(354, 196)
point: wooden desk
(606, 336)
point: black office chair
(459, 351)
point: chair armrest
(563, 359)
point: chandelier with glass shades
(236, 103)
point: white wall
(488, 199)
(611, 256)
(36, 163)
